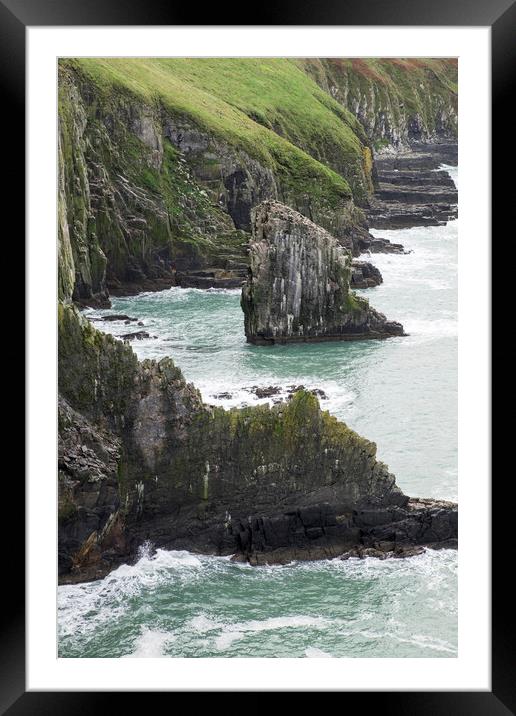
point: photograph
(257, 321)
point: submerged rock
(298, 285)
(137, 336)
(116, 317)
(270, 391)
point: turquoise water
(401, 393)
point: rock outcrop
(298, 284)
(364, 275)
(411, 191)
(142, 458)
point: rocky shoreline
(117, 491)
(143, 459)
(412, 191)
(157, 192)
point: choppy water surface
(401, 393)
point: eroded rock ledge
(412, 191)
(298, 284)
(142, 458)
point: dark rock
(266, 392)
(364, 275)
(211, 278)
(142, 458)
(291, 389)
(137, 336)
(409, 193)
(298, 286)
(274, 390)
(117, 317)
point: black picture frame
(500, 16)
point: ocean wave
(150, 644)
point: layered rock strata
(141, 458)
(298, 285)
(411, 191)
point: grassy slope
(269, 108)
(278, 111)
(408, 86)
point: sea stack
(298, 284)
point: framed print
(259, 424)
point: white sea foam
(225, 393)
(89, 609)
(83, 608)
(314, 653)
(227, 638)
(150, 644)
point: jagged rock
(298, 284)
(379, 245)
(142, 458)
(146, 191)
(364, 275)
(265, 392)
(274, 390)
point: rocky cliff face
(398, 101)
(142, 458)
(150, 184)
(298, 286)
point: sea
(400, 393)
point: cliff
(160, 165)
(161, 160)
(142, 458)
(399, 102)
(298, 285)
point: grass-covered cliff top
(401, 86)
(402, 73)
(270, 108)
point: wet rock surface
(115, 317)
(298, 285)
(136, 336)
(272, 391)
(327, 531)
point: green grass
(268, 108)
(412, 85)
